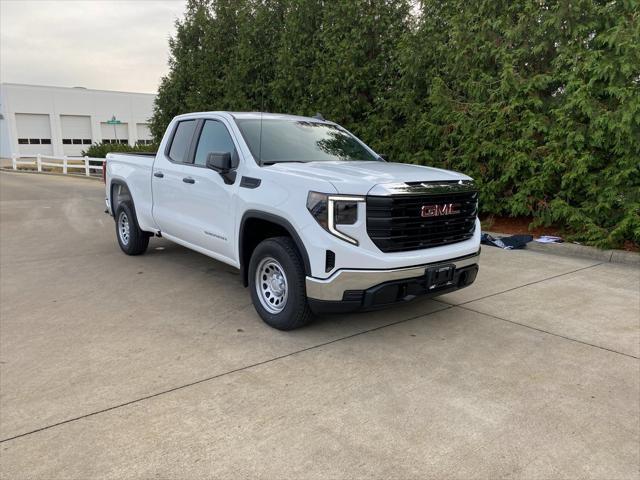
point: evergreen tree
(538, 100)
(355, 70)
(296, 57)
(179, 91)
(253, 69)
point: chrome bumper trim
(332, 288)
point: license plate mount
(439, 276)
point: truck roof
(256, 116)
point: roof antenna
(261, 114)
(318, 116)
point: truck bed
(135, 171)
(142, 154)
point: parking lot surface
(157, 366)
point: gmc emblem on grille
(439, 210)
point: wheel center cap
(277, 284)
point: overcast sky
(103, 44)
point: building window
(77, 141)
(45, 141)
(86, 141)
(34, 141)
(144, 142)
(23, 141)
(124, 141)
(66, 141)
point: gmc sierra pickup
(315, 220)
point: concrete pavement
(158, 367)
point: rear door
(171, 197)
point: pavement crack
(462, 305)
(525, 285)
(546, 331)
(230, 372)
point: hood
(358, 177)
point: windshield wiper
(273, 162)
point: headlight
(331, 211)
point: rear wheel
(276, 281)
(131, 239)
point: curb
(583, 251)
(55, 174)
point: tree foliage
(538, 100)
(100, 150)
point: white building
(65, 121)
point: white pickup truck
(315, 220)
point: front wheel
(276, 281)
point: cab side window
(214, 138)
(181, 141)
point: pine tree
(538, 100)
(179, 89)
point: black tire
(296, 312)
(137, 241)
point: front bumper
(351, 289)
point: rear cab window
(181, 141)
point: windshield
(300, 141)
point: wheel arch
(122, 195)
(248, 240)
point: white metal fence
(88, 164)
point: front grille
(395, 223)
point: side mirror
(220, 162)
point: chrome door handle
(188, 180)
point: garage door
(34, 134)
(144, 134)
(118, 133)
(76, 134)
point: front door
(213, 212)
